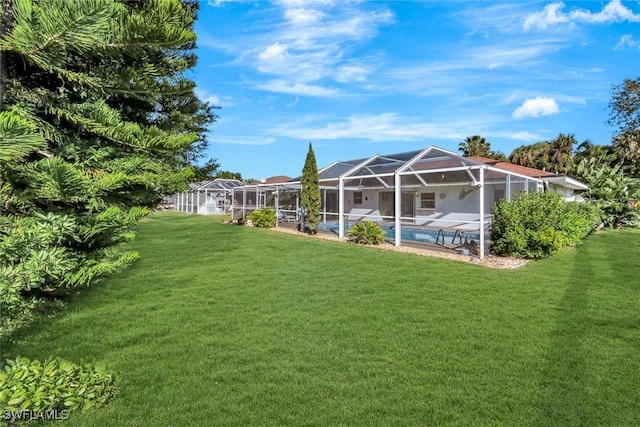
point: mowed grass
(237, 326)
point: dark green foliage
(97, 124)
(263, 218)
(310, 192)
(555, 155)
(538, 224)
(228, 175)
(625, 105)
(612, 190)
(587, 150)
(366, 233)
(478, 146)
(624, 117)
(29, 385)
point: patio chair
(459, 223)
(285, 217)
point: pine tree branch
(6, 20)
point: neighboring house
(169, 202)
(207, 197)
(430, 189)
(279, 179)
(215, 197)
(560, 183)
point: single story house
(417, 195)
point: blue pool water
(414, 234)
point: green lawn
(227, 325)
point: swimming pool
(414, 234)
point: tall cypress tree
(310, 192)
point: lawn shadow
(564, 364)
(592, 341)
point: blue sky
(358, 78)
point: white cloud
(628, 40)
(273, 59)
(302, 3)
(297, 88)
(490, 18)
(522, 135)
(241, 140)
(614, 11)
(552, 15)
(301, 16)
(218, 3)
(313, 42)
(213, 99)
(392, 127)
(536, 107)
(375, 128)
(512, 54)
(217, 101)
(352, 73)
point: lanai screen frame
(263, 189)
(189, 201)
(341, 175)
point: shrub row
(536, 225)
(29, 385)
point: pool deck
(448, 248)
(423, 249)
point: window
(427, 200)
(498, 195)
(357, 198)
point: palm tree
(475, 146)
(555, 155)
(560, 153)
(627, 148)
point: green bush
(39, 257)
(366, 233)
(578, 221)
(612, 191)
(53, 385)
(538, 224)
(263, 218)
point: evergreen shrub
(538, 224)
(263, 218)
(366, 233)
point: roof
(565, 181)
(430, 166)
(277, 179)
(216, 184)
(522, 170)
(486, 160)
